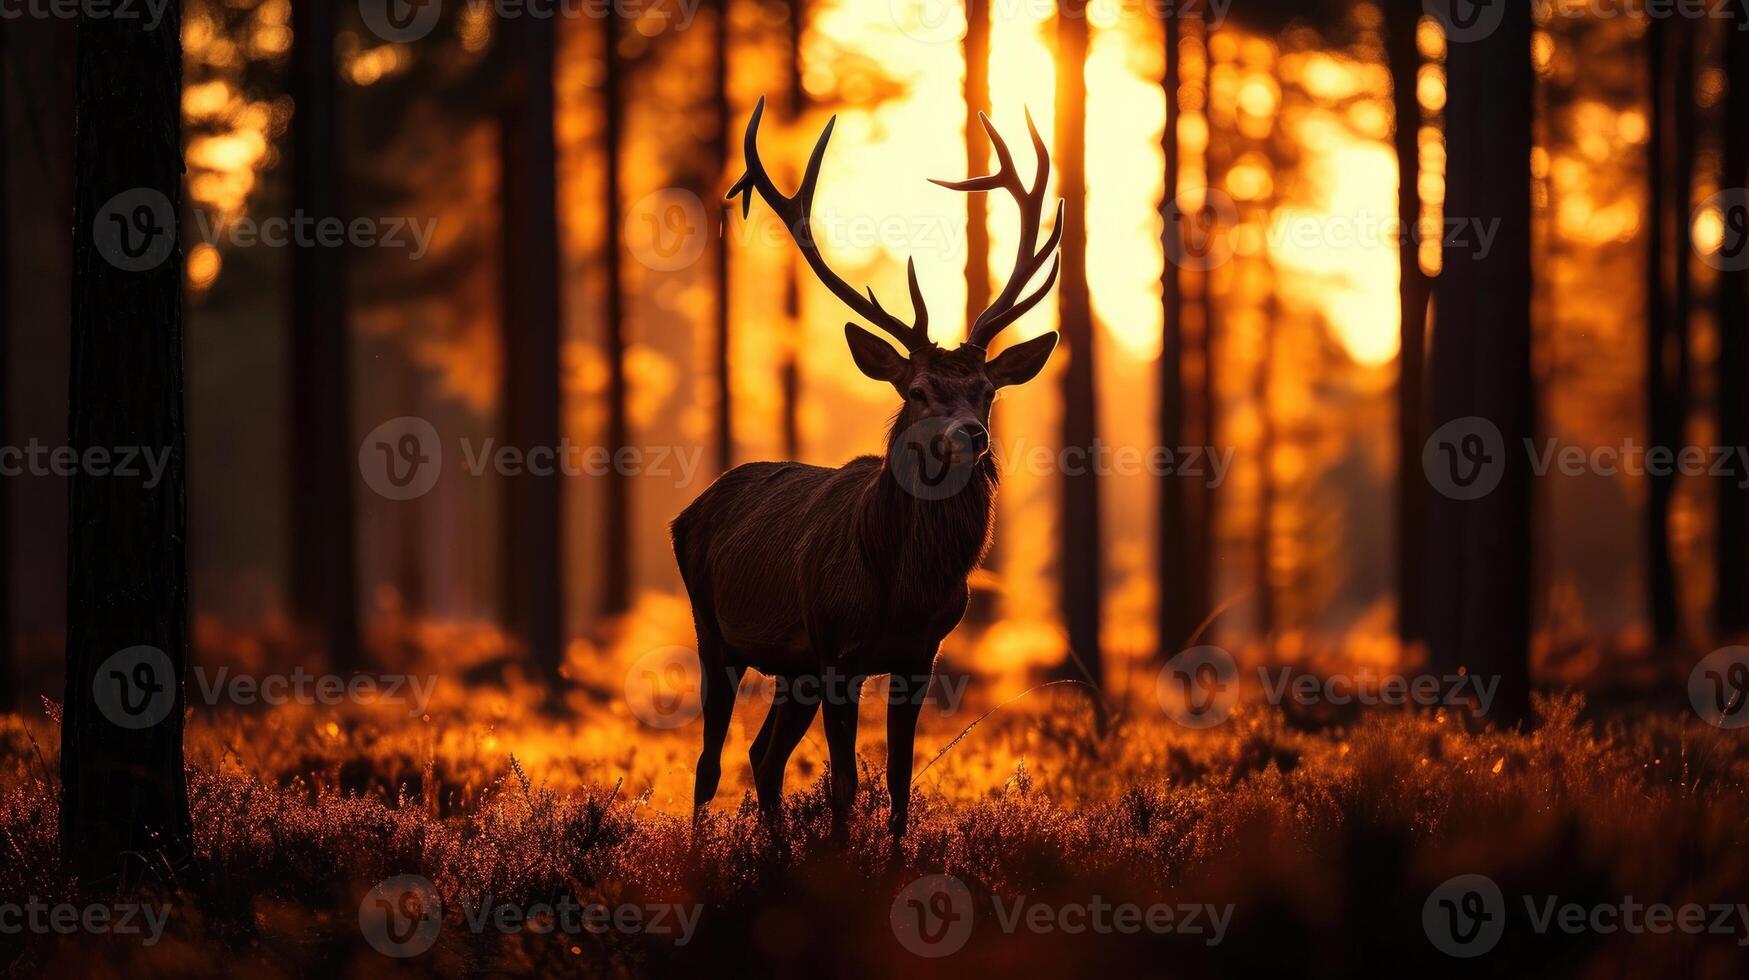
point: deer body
(835, 575)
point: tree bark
(616, 587)
(1413, 288)
(8, 665)
(1173, 548)
(1732, 605)
(790, 371)
(1080, 571)
(976, 49)
(1479, 555)
(534, 568)
(324, 588)
(719, 149)
(124, 797)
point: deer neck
(926, 548)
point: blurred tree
(8, 669)
(534, 567)
(1173, 526)
(1404, 57)
(722, 117)
(790, 371)
(1478, 552)
(324, 587)
(976, 50)
(1732, 614)
(1670, 174)
(1081, 569)
(1206, 538)
(617, 556)
(124, 799)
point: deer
(826, 577)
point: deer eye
(919, 396)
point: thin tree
(790, 371)
(1404, 56)
(534, 568)
(1478, 554)
(719, 150)
(1732, 610)
(1080, 526)
(324, 588)
(8, 668)
(616, 533)
(1173, 527)
(976, 49)
(124, 797)
(1206, 534)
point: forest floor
(1148, 849)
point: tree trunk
(124, 797)
(1206, 535)
(725, 414)
(790, 371)
(1732, 611)
(616, 587)
(324, 588)
(1173, 547)
(534, 568)
(977, 95)
(1413, 288)
(1479, 555)
(1266, 441)
(8, 666)
(1080, 523)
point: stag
(825, 577)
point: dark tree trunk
(977, 93)
(1478, 554)
(1413, 288)
(1080, 524)
(616, 589)
(1732, 613)
(1266, 439)
(725, 414)
(124, 798)
(8, 667)
(1670, 49)
(534, 569)
(1205, 535)
(790, 371)
(324, 585)
(1173, 555)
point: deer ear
(1021, 363)
(874, 356)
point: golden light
(1709, 230)
(204, 263)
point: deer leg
(762, 741)
(789, 719)
(840, 720)
(904, 704)
(719, 687)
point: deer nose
(975, 435)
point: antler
(1029, 257)
(795, 212)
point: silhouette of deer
(825, 577)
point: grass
(1325, 842)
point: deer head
(952, 389)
